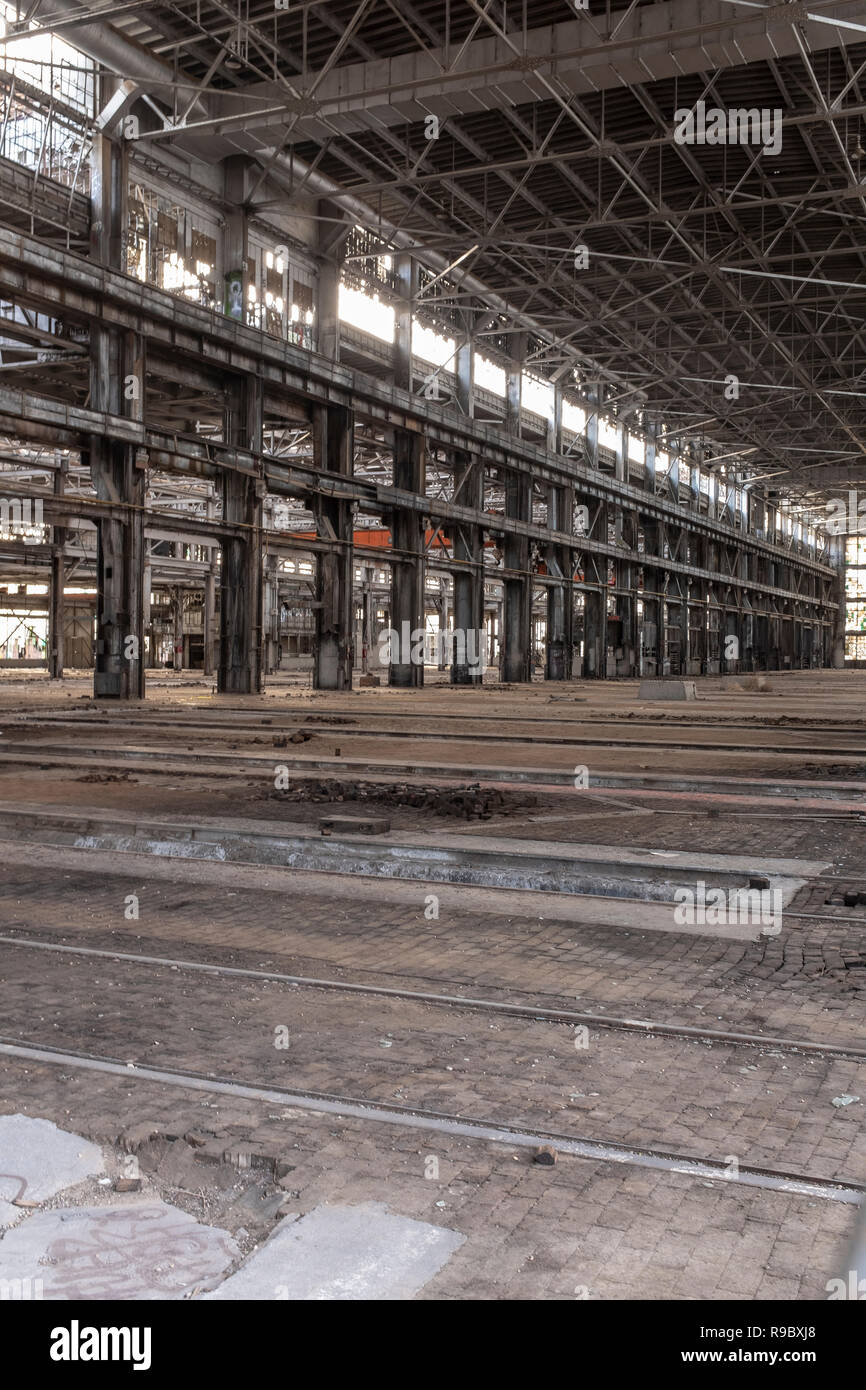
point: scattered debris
(469, 802)
(300, 736)
(545, 1156)
(128, 1185)
(106, 777)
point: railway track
(456, 1126)
(205, 716)
(568, 1017)
(663, 743)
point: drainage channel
(590, 870)
(489, 1131)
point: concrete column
(469, 582)
(334, 443)
(241, 578)
(517, 609)
(407, 567)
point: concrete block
(667, 690)
(356, 825)
(369, 680)
(38, 1160)
(336, 1253)
(140, 1251)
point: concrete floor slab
(130, 1251)
(359, 1252)
(38, 1160)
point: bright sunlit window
(573, 417)
(48, 63)
(537, 396)
(367, 313)
(488, 376)
(608, 434)
(431, 347)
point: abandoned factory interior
(433, 665)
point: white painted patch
(339, 1253)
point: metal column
(407, 565)
(333, 435)
(241, 576)
(517, 615)
(469, 582)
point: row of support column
(117, 386)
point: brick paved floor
(807, 983)
(595, 1229)
(580, 1230)
(708, 1101)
